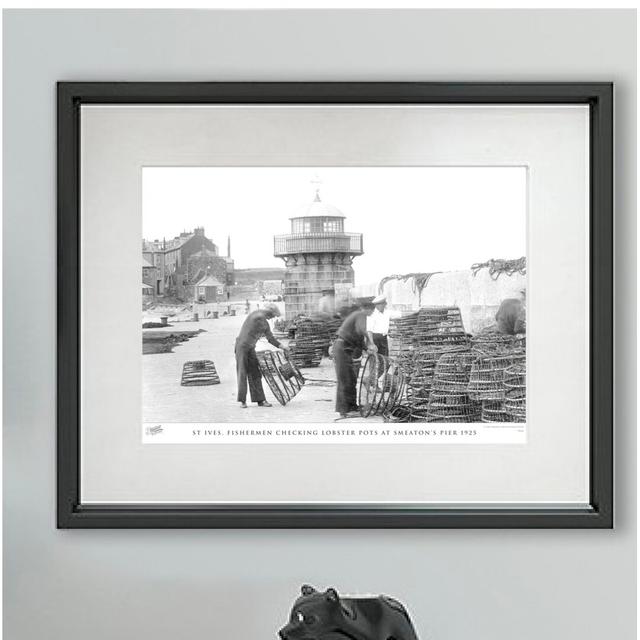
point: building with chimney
(183, 261)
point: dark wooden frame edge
(72, 514)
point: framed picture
(382, 305)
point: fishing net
(498, 267)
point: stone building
(180, 262)
(208, 289)
(318, 254)
(204, 262)
(149, 279)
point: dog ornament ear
(332, 595)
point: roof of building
(165, 246)
(146, 263)
(173, 244)
(204, 252)
(317, 208)
(208, 281)
(146, 286)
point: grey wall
(493, 585)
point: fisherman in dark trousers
(254, 327)
(352, 338)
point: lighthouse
(318, 254)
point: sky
(413, 219)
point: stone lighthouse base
(306, 277)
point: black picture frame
(71, 513)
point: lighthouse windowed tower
(318, 254)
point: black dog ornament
(326, 616)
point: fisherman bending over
(254, 327)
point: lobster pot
(440, 326)
(310, 342)
(437, 330)
(401, 340)
(515, 395)
(400, 413)
(197, 373)
(452, 373)
(452, 408)
(419, 406)
(282, 375)
(494, 342)
(487, 375)
(419, 382)
(381, 384)
(449, 400)
(493, 411)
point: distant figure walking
(254, 327)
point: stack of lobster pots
(452, 377)
(494, 355)
(310, 342)
(438, 331)
(449, 399)
(402, 340)
(515, 392)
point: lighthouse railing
(321, 242)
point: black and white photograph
(334, 304)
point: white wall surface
(485, 585)
(478, 296)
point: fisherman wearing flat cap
(255, 326)
(378, 324)
(352, 338)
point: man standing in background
(378, 324)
